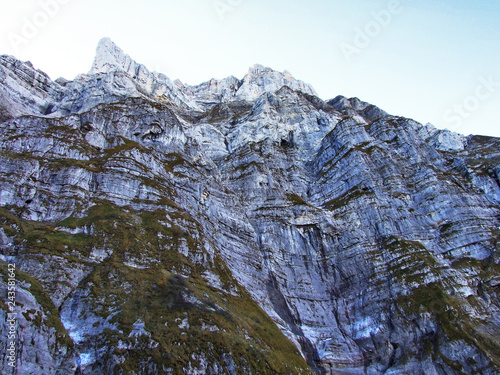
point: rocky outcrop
(24, 90)
(243, 226)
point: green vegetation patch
(149, 278)
(413, 261)
(49, 316)
(354, 193)
(296, 200)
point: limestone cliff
(240, 226)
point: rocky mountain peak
(260, 79)
(109, 57)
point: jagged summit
(109, 57)
(258, 80)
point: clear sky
(436, 61)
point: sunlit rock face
(240, 226)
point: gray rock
(138, 202)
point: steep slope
(165, 228)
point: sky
(434, 61)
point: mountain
(239, 227)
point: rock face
(240, 226)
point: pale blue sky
(434, 61)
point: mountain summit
(258, 80)
(110, 57)
(239, 226)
